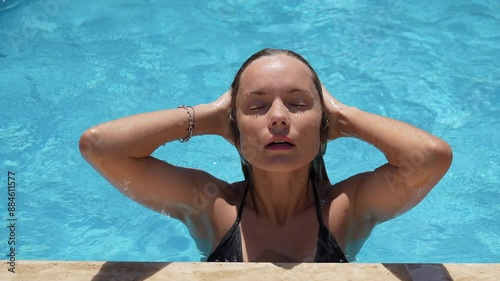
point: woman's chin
(281, 164)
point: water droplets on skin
(125, 187)
(335, 105)
(315, 124)
(419, 191)
(165, 213)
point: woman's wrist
(338, 115)
(207, 120)
(343, 121)
(221, 110)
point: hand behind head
(223, 107)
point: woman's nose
(278, 116)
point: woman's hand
(333, 108)
(223, 107)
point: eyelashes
(291, 107)
(256, 108)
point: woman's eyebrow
(257, 93)
(290, 90)
(294, 90)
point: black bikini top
(229, 248)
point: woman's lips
(279, 146)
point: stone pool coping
(155, 271)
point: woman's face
(278, 114)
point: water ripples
(436, 68)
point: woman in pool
(279, 117)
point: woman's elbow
(90, 143)
(441, 156)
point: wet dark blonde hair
(317, 172)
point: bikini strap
(240, 209)
(318, 205)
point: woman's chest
(296, 241)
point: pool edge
(153, 271)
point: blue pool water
(68, 65)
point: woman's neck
(280, 196)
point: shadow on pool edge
(418, 271)
(144, 270)
(128, 270)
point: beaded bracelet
(190, 129)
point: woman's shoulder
(226, 198)
(220, 190)
(235, 191)
(341, 195)
(213, 187)
(344, 188)
(340, 201)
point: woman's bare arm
(416, 159)
(120, 150)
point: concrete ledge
(118, 271)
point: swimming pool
(66, 66)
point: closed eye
(254, 108)
(298, 107)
